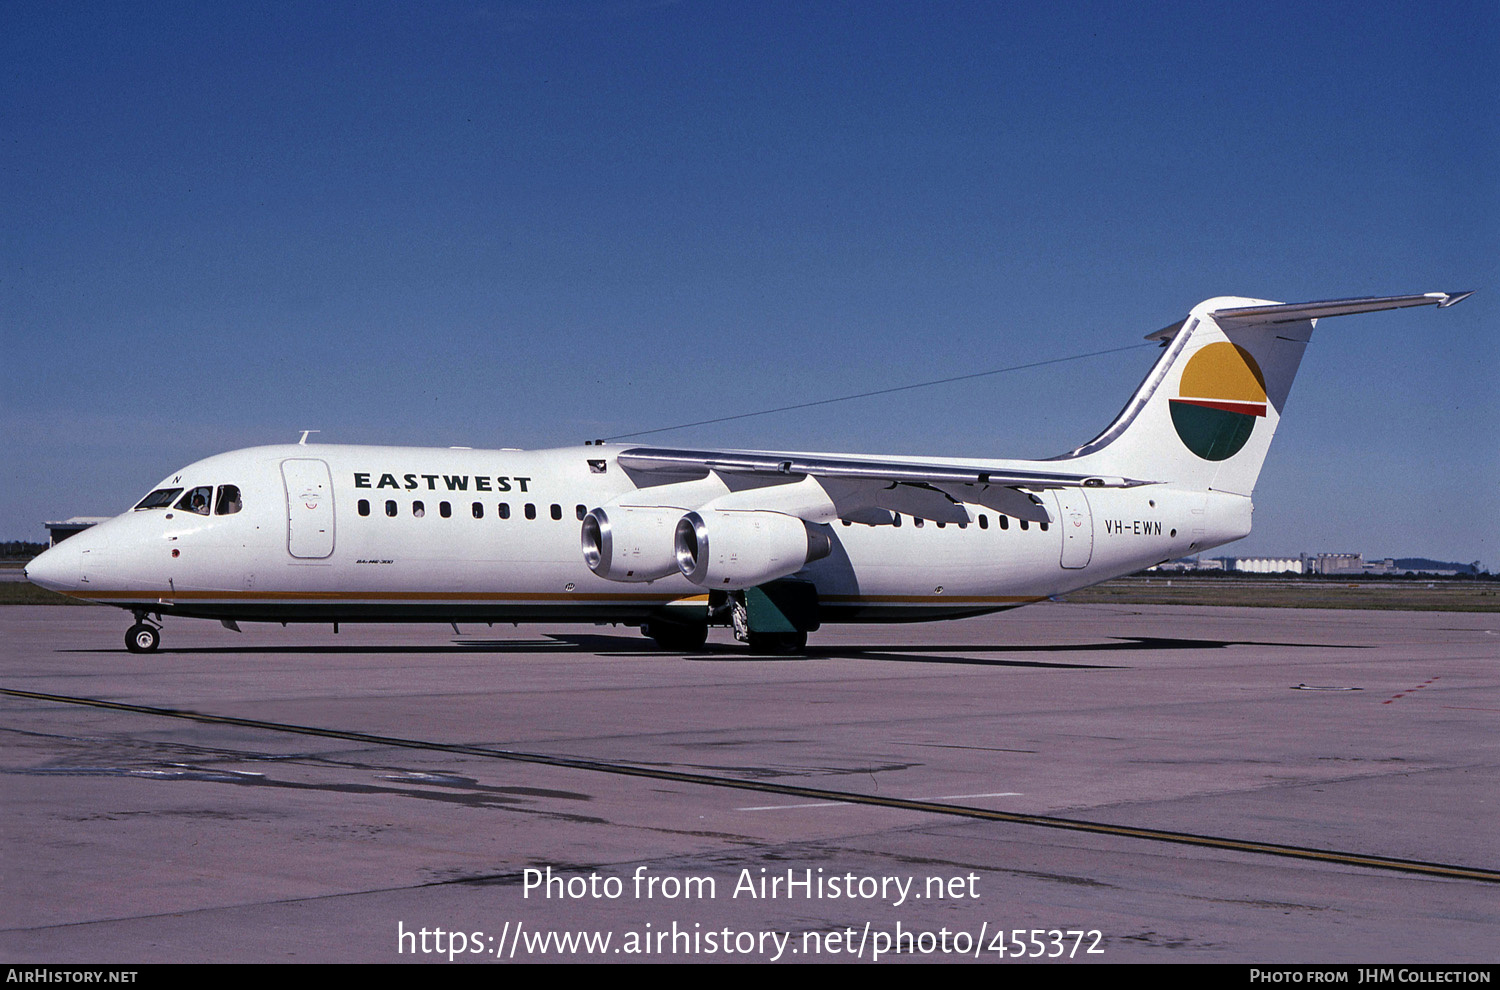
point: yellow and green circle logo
(1221, 395)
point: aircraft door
(1077, 524)
(309, 507)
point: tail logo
(1221, 395)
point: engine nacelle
(734, 550)
(630, 544)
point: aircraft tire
(141, 638)
(778, 644)
(676, 636)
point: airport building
(1354, 563)
(1268, 565)
(1329, 564)
(59, 531)
(1189, 564)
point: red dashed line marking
(1408, 691)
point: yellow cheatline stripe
(168, 596)
(1444, 870)
(372, 596)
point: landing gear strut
(763, 643)
(142, 637)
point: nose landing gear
(142, 637)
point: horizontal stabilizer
(1271, 313)
(1295, 312)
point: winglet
(1453, 298)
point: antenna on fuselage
(303, 441)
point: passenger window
(418, 509)
(159, 499)
(942, 525)
(1005, 522)
(1043, 527)
(897, 522)
(530, 511)
(196, 500)
(478, 509)
(556, 512)
(445, 509)
(580, 512)
(364, 507)
(1025, 524)
(984, 521)
(918, 521)
(846, 522)
(504, 509)
(228, 502)
(390, 507)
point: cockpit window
(229, 501)
(159, 499)
(196, 500)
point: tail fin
(1205, 415)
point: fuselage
(772, 543)
(320, 532)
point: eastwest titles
(413, 481)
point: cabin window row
(984, 522)
(529, 510)
(478, 510)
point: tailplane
(1205, 415)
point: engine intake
(734, 550)
(628, 544)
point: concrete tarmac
(131, 837)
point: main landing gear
(771, 620)
(777, 643)
(679, 637)
(784, 641)
(143, 637)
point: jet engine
(734, 550)
(630, 544)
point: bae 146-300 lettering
(768, 543)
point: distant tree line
(1331, 578)
(20, 550)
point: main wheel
(676, 636)
(141, 638)
(778, 643)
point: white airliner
(676, 540)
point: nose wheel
(142, 638)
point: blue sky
(529, 224)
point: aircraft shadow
(955, 654)
(633, 646)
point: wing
(822, 487)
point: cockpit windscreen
(159, 499)
(196, 500)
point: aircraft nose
(57, 569)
